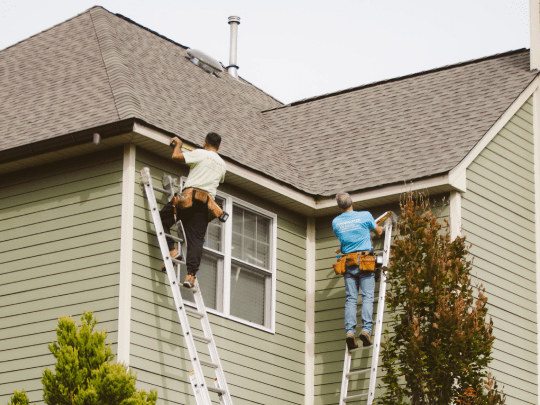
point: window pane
(263, 255)
(208, 281)
(250, 224)
(238, 220)
(251, 236)
(248, 294)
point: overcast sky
(294, 49)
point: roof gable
(403, 129)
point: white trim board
(455, 214)
(309, 396)
(534, 15)
(126, 254)
(461, 168)
(536, 137)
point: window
(237, 272)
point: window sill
(234, 318)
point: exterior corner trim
(126, 254)
(309, 397)
(536, 140)
(455, 214)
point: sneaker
(189, 282)
(365, 338)
(174, 254)
(351, 341)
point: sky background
(297, 49)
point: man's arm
(378, 229)
(177, 152)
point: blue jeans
(355, 280)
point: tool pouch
(190, 194)
(367, 263)
(340, 266)
(363, 260)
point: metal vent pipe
(234, 22)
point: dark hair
(213, 139)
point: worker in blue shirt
(353, 229)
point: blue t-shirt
(353, 230)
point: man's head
(212, 140)
(344, 201)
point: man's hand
(378, 230)
(176, 143)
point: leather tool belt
(194, 194)
(363, 259)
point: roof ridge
(125, 97)
(127, 19)
(399, 78)
(50, 28)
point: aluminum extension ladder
(372, 370)
(201, 389)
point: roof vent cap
(204, 61)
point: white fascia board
(456, 182)
(457, 174)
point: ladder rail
(197, 378)
(370, 394)
(225, 396)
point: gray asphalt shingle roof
(99, 68)
(402, 129)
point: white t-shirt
(207, 170)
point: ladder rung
(366, 370)
(216, 390)
(177, 261)
(161, 190)
(209, 363)
(194, 312)
(359, 396)
(175, 238)
(201, 338)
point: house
(76, 234)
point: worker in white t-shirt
(196, 205)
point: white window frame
(223, 299)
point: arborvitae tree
(85, 373)
(441, 341)
(19, 398)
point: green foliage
(84, 371)
(19, 398)
(441, 342)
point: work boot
(174, 254)
(365, 338)
(351, 341)
(189, 282)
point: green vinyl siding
(329, 312)
(498, 219)
(260, 367)
(59, 243)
